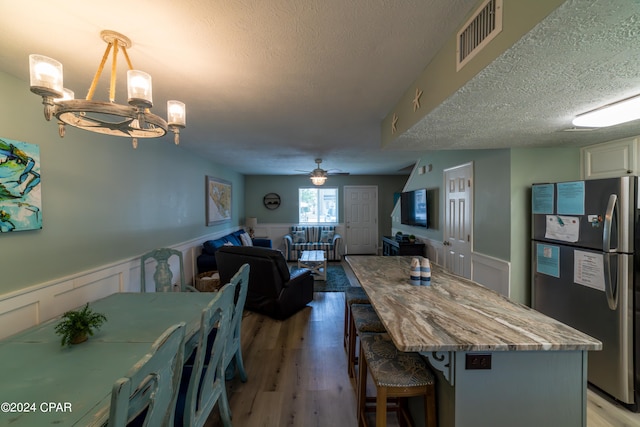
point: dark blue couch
(207, 260)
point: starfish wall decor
(416, 99)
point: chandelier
(134, 120)
(318, 176)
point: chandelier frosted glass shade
(134, 120)
(45, 76)
(139, 89)
(176, 113)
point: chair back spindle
(204, 374)
(147, 393)
(163, 276)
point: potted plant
(412, 238)
(77, 326)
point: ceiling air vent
(478, 31)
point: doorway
(458, 227)
(361, 219)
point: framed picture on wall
(218, 200)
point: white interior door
(458, 229)
(361, 218)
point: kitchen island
(498, 363)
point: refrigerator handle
(608, 219)
(610, 288)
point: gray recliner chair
(273, 290)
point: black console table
(392, 247)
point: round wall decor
(271, 201)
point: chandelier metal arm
(49, 107)
(121, 119)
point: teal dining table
(43, 383)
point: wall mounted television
(413, 208)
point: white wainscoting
(491, 272)
(276, 233)
(38, 303)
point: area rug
(337, 280)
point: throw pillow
(299, 237)
(246, 240)
(326, 236)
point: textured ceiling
(584, 55)
(272, 85)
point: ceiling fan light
(610, 115)
(139, 89)
(45, 76)
(318, 180)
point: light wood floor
(298, 375)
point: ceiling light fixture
(613, 114)
(133, 120)
(318, 176)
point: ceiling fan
(319, 176)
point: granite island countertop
(456, 314)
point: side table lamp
(251, 224)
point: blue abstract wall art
(20, 198)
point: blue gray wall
(102, 201)
(529, 166)
(257, 186)
(502, 200)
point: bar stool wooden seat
(364, 319)
(395, 374)
(352, 295)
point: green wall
(502, 201)
(491, 208)
(257, 186)
(529, 166)
(102, 201)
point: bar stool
(364, 319)
(352, 295)
(395, 374)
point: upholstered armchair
(312, 238)
(273, 290)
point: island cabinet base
(522, 388)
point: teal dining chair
(147, 394)
(203, 380)
(163, 276)
(233, 350)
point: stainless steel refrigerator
(585, 272)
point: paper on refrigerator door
(564, 228)
(588, 269)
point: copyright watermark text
(45, 407)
